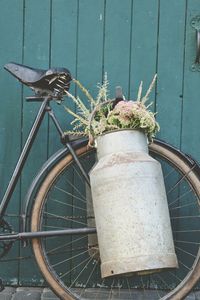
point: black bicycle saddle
(53, 82)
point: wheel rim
(70, 269)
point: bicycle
(62, 227)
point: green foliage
(103, 116)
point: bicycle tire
(40, 220)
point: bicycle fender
(194, 164)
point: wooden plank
(90, 44)
(11, 92)
(77, 39)
(170, 70)
(35, 37)
(36, 54)
(143, 45)
(190, 140)
(117, 55)
(89, 71)
(11, 34)
(117, 45)
(170, 62)
(63, 53)
(191, 93)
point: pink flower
(124, 108)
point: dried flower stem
(103, 90)
(78, 117)
(140, 91)
(102, 116)
(78, 133)
(85, 91)
(145, 98)
(79, 104)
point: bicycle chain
(5, 246)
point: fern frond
(74, 121)
(78, 133)
(72, 97)
(79, 104)
(78, 126)
(85, 91)
(78, 117)
(84, 110)
(103, 90)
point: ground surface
(32, 293)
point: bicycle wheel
(71, 264)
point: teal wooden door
(131, 40)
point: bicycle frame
(44, 108)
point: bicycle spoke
(67, 244)
(185, 205)
(79, 175)
(119, 288)
(54, 227)
(185, 217)
(67, 204)
(67, 259)
(186, 242)
(111, 290)
(128, 284)
(143, 285)
(99, 289)
(180, 262)
(85, 260)
(175, 276)
(179, 181)
(185, 251)
(64, 218)
(160, 278)
(157, 292)
(169, 174)
(186, 231)
(90, 259)
(73, 186)
(90, 275)
(180, 197)
(70, 194)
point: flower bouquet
(105, 115)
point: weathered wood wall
(131, 40)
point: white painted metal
(130, 206)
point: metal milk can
(130, 206)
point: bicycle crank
(5, 246)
